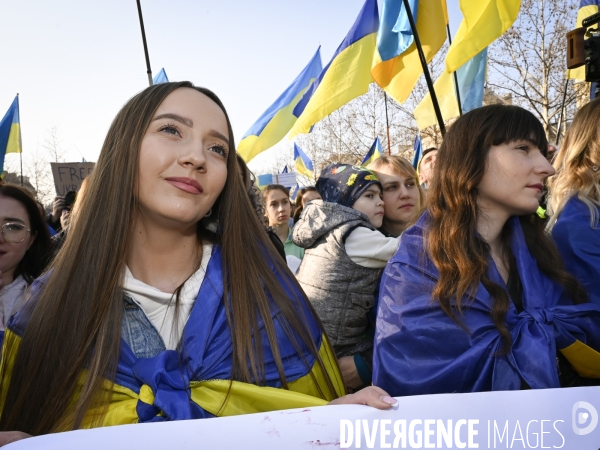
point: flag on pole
(471, 80)
(347, 75)
(272, 126)
(294, 192)
(285, 169)
(418, 148)
(303, 163)
(161, 77)
(373, 153)
(10, 132)
(396, 64)
(586, 8)
(484, 22)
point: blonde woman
(575, 199)
(402, 195)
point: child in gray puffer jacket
(343, 258)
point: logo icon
(580, 418)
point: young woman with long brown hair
(167, 301)
(476, 299)
(575, 199)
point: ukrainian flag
(347, 75)
(418, 148)
(484, 22)
(586, 8)
(278, 119)
(161, 77)
(303, 163)
(373, 153)
(471, 80)
(10, 132)
(396, 65)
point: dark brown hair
(38, 255)
(453, 243)
(75, 325)
(298, 202)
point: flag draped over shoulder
(10, 132)
(373, 153)
(272, 126)
(396, 65)
(161, 77)
(586, 8)
(484, 22)
(471, 79)
(347, 75)
(304, 165)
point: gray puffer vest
(341, 291)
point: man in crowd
(426, 165)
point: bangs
(512, 123)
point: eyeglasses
(14, 232)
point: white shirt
(159, 306)
(370, 248)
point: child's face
(371, 204)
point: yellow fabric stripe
(14, 139)
(446, 95)
(584, 359)
(579, 73)
(348, 77)
(399, 75)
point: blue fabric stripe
(366, 23)
(471, 80)
(310, 72)
(395, 34)
(418, 148)
(589, 3)
(11, 116)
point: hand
(370, 396)
(349, 373)
(7, 437)
(57, 206)
(64, 218)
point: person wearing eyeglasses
(24, 247)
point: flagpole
(455, 76)
(387, 123)
(149, 71)
(436, 105)
(562, 108)
(20, 141)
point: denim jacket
(138, 332)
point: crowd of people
(176, 289)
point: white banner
(552, 418)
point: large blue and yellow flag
(373, 153)
(10, 132)
(484, 22)
(347, 75)
(278, 119)
(586, 8)
(304, 165)
(161, 77)
(396, 65)
(471, 80)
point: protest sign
(69, 176)
(545, 418)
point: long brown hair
(75, 324)
(453, 243)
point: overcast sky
(76, 62)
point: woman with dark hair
(476, 298)
(305, 195)
(167, 301)
(24, 246)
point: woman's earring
(208, 214)
(595, 168)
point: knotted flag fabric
(396, 64)
(373, 153)
(272, 126)
(10, 132)
(471, 80)
(347, 76)
(484, 22)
